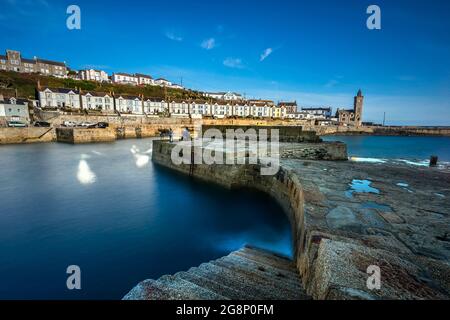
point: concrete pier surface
(349, 219)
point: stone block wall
(286, 133)
(284, 187)
(82, 135)
(26, 135)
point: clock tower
(358, 108)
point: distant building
(163, 82)
(97, 101)
(125, 78)
(94, 75)
(176, 86)
(200, 108)
(279, 111)
(13, 109)
(226, 96)
(318, 113)
(59, 98)
(291, 107)
(155, 106)
(352, 116)
(180, 108)
(242, 110)
(129, 104)
(222, 110)
(260, 108)
(259, 101)
(13, 61)
(144, 79)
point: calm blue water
(387, 147)
(109, 210)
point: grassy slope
(25, 84)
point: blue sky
(316, 52)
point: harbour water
(409, 150)
(121, 219)
(109, 210)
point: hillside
(25, 84)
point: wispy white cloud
(233, 63)
(208, 44)
(267, 52)
(332, 83)
(173, 37)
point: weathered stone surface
(247, 274)
(344, 265)
(26, 135)
(344, 218)
(84, 135)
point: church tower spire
(358, 108)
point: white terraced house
(129, 104)
(200, 109)
(94, 75)
(222, 110)
(125, 78)
(163, 82)
(13, 109)
(176, 86)
(59, 98)
(144, 79)
(318, 113)
(242, 110)
(261, 110)
(226, 96)
(155, 106)
(98, 101)
(279, 112)
(179, 108)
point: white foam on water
(134, 149)
(422, 163)
(85, 156)
(439, 195)
(142, 159)
(403, 185)
(370, 160)
(97, 153)
(85, 175)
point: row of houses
(139, 79)
(109, 103)
(13, 61)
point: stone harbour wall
(286, 133)
(284, 187)
(84, 135)
(332, 263)
(26, 135)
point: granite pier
(347, 217)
